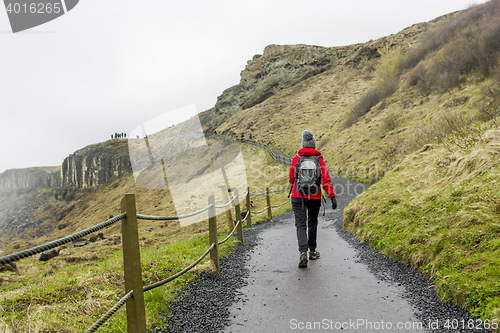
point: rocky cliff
(30, 178)
(278, 68)
(91, 166)
(96, 164)
(281, 67)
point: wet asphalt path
(334, 293)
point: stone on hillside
(11, 267)
(46, 256)
(80, 243)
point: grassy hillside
(439, 210)
(70, 292)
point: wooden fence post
(136, 314)
(225, 197)
(269, 211)
(212, 231)
(249, 218)
(237, 212)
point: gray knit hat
(308, 140)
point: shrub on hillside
(468, 44)
(386, 74)
(491, 104)
(369, 99)
(387, 71)
(416, 75)
(391, 121)
(488, 46)
(446, 72)
(476, 51)
(480, 16)
(453, 126)
(430, 41)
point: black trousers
(306, 222)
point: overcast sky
(109, 66)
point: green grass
(72, 291)
(439, 211)
(85, 291)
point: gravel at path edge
(203, 305)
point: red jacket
(325, 178)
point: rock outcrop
(96, 164)
(30, 178)
(91, 166)
(279, 67)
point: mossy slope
(439, 210)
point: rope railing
(258, 194)
(234, 229)
(282, 159)
(281, 191)
(246, 216)
(284, 203)
(170, 218)
(241, 198)
(136, 321)
(227, 204)
(50, 245)
(110, 313)
(184, 271)
(230, 234)
(260, 211)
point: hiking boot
(314, 255)
(303, 260)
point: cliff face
(30, 178)
(91, 166)
(94, 165)
(279, 67)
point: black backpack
(308, 175)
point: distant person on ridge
(242, 137)
(307, 172)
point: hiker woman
(307, 172)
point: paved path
(334, 293)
